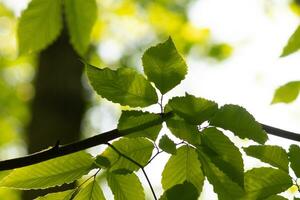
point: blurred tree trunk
(58, 106)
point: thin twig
(136, 163)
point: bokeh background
(232, 49)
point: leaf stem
(136, 163)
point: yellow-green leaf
(287, 93)
(164, 66)
(293, 44)
(125, 187)
(80, 16)
(274, 155)
(124, 86)
(39, 25)
(54, 172)
(184, 166)
(92, 191)
(138, 149)
(263, 182)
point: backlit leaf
(138, 149)
(194, 110)
(125, 187)
(294, 157)
(240, 122)
(57, 171)
(65, 195)
(90, 192)
(186, 191)
(263, 182)
(80, 16)
(124, 86)
(287, 93)
(222, 184)
(274, 155)
(39, 25)
(224, 154)
(167, 145)
(130, 119)
(184, 166)
(164, 66)
(293, 44)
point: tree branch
(104, 138)
(281, 133)
(58, 151)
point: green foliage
(222, 184)
(80, 16)
(194, 110)
(164, 66)
(263, 182)
(294, 157)
(276, 197)
(138, 149)
(287, 93)
(183, 130)
(186, 191)
(65, 195)
(240, 122)
(91, 192)
(274, 155)
(130, 119)
(124, 86)
(206, 152)
(40, 24)
(293, 44)
(65, 169)
(125, 187)
(184, 166)
(224, 154)
(167, 145)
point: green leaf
(186, 191)
(184, 166)
(183, 130)
(287, 93)
(124, 86)
(276, 197)
(274, 155)
(294, 157)
(164, 66)
(240, 122)
(222, 184)
(131, 119)
(4, 173)
(90, 192)
(80, 16)
(293, 44)
(167, 145)
(65, 195)
(39, 25)
(263, 182)
(194, 110)
(225, 155)
(102, 162)
(138, 149)
(125, 187)
(54, 172)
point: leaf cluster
(205, 152)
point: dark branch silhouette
(104, 138)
